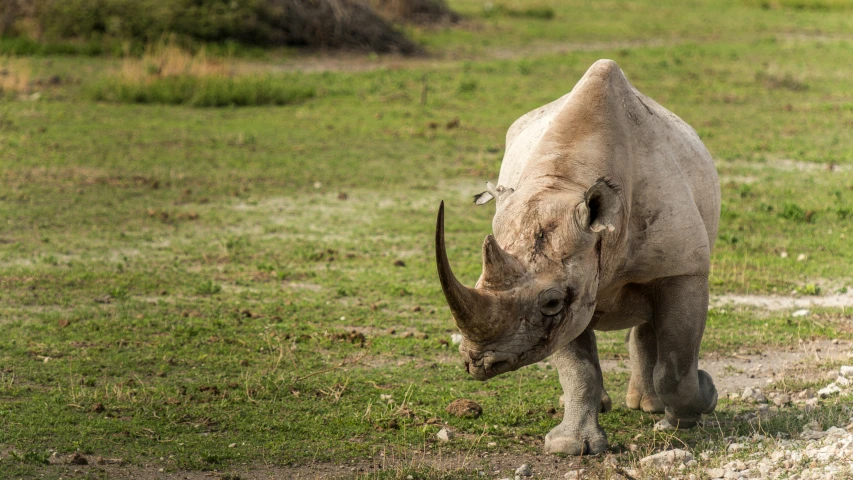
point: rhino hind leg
(642, 347)
(580, 376)
(681, 308)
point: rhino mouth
(492, 364)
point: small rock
(667, 458)
(524, 470)
(846, 370)
(735, 447)
(782, 399)
(715, 472)
(575, 474)
(464, 408)
(456, 338)
(801, 257)
(842, 381)
(445, 435)
(800, 313)
(828, 390)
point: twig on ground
(346, 362)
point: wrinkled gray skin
(607, 209)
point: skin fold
(607, 207)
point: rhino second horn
(471, 309)
(500, 269)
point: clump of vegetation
(416, 11)
(14, 76)
(346, 24)
(170, 75)
(801, 4)
(537, 12)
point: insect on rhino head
(538, 292)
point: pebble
(800, 313)
(575, 474)
(456, 338)
(524, 470)
(445, 435)
(781, 399)
(846, 370)
(666, 459)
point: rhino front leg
(681, 308)
(642, 346)
(583, 390)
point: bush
(311, 23)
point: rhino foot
(569, 441)
(637, 400)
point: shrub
(312, 23)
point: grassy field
(234, 289)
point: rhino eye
(550, 302)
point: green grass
(175, 280)
(202, 91)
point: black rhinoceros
(607, 210)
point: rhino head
(538, 292)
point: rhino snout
(489, 364)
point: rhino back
(606, 128)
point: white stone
(735, 447)
(445, 435)
(828, 390)
(715, 473)
(574, 474)
(667, 458)
(456, 338)
(800, 313)
(846, 370)
(842, 381)
(524, 470)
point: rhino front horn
(471, 308)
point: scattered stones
(445, 435)
(464, 408)
(666, 459)
(524, 470)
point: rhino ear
(490, 193)
(603, 204)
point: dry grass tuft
(168, 60)
(15, 74)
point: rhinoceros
(607, 207)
